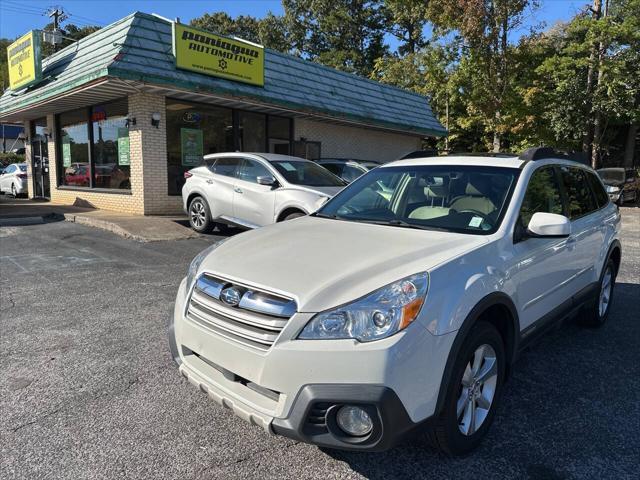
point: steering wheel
(484, 216)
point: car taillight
(22, 175)
(188, 174)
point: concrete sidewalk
(14, 212)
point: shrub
(10, 157)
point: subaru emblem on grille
(231, 296)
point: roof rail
(539, 153)
(485, 154)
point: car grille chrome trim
(256, 321)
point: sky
(19, 16)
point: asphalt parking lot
(88, 389)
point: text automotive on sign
(219, 56)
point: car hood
(323, 263)
(328, 191)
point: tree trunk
(630, 146)
(587, 137)
(496, 135)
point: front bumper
(297, 381)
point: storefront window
(279, 129)
(194, 130)
(111, 155)
(74, 149)
(253, 131)
(106, 126)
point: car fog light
(354, 421)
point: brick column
(149, 155)
(29, 160)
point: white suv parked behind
(401, 304)
(254, 189)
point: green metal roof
(139, 48)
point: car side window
(10, 169)
(542, 195)
(580, 201)
(227, 166)
(350, 173)
(334, 168)
(598, 190)
(251, 170)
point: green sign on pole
(192, 146)
(66, 151)
(123, 147)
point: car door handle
(571, 242)
(237, 189)
(209, 181)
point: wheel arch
(498, 309)
(615, 253)
(289, 210)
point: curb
(104, 225)
(20, 221)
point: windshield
(307, 173)
(612, 175)
(451, 198)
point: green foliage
(10, 157)
(269, 31)
(344, 34)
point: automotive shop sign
(24, 57)
(218, 56)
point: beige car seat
(474, 198)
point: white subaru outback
(402, 303)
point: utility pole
(58, 15)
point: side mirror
(548, 225)
(267, 180)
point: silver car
(14, 179)
(251, 190)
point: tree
(485, 25)
(269, 31)
(407, 19)
(344, 34)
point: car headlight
(197, 260)
(380, 314)
(612, 189)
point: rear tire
(200, 216)
(597, 312)
(473, 392)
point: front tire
(473, 392)
(199, 215)
(597, 313)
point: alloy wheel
(477, 389)
(198, 214)
(605, 292)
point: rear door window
(598, 190)
(580, 200)
(228, 167)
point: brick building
(112, 115)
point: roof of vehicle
(611, 169)
(463, 160)
(355, 160)
(270, 157)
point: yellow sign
(211, 54)
(24, 57)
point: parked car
(13, 179)
(254, 189)
(376, 317)
(347, 169)
(622, 184)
